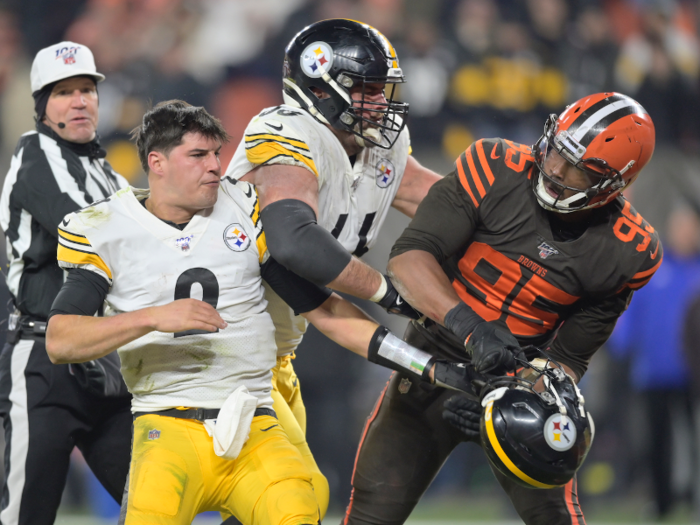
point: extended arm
(416, 182)
(73, 335)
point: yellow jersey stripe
(78, 239)
(255, 216)
(76, 257)
(261, 243)
(502, 455)
(266, 151)
(277, 138)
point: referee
(49, 409)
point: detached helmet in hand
(334, 56)
(537, 439)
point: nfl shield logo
(405, 385)
(153, 434)
(546, 250)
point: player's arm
(350, 327)
(443, 224)
(416, 182)
(289, 206)
(587, 328)
(74, 335)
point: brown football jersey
(553, 284)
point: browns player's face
(566, 174)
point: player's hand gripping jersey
(353, 199)
(509, 260)
(150, 263)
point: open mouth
(549, 186)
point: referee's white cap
(62, 60)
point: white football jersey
(353, 200)
(147, 262)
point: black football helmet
(335, 56)
(537, 439)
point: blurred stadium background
(475, 68)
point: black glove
(393, 303)
(101, 377)
(457, 376)
(464, 414)
(493, 350)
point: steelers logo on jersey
(317, 59)
(560, 432)
(384, 174)
(236, 238)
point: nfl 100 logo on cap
(61, 61)
(236, 238)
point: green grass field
(475, 511)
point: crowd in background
(475, 68)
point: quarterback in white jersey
(327, 165)
(179, 268)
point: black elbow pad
(297, 241)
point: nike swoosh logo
(493, 152)
(268, 428)
(294, 383)
(249, 192)
(656, 251)
(65, 223)
(278, 128)
(399, 300)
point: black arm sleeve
(296, 240)
(83, 293)
(444, 222)
(585, 331)
(301, 295)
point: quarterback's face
(566, 174)
(193, 172)
(73, 103)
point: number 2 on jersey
(210, 291)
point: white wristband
(381, 291)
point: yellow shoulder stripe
(79, 239)
(277, 138)
(261, 243)
(75, 257)
(502, 455)
(266, 151)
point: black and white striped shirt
(48, 178)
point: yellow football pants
(175, 475)
(291, 413)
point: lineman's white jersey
(147, 262)
(353, 200)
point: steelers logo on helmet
(560, 432)
(236, 238)
(317, 59)
(384, 175)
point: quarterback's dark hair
(163, 127)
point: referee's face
(73, 103)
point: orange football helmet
(609, 136)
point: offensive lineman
(327, 165)
(517, 245)
(143, 253)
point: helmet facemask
(606, 181)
